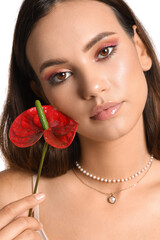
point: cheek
(129, 77)
(62, 97)
(132, 84)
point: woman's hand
(14, 226)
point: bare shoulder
(14, 185)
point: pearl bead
(112, 199)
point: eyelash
(56, 82)
(113, 50)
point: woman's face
(77, 76)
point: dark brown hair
(21, 97)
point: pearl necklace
(114, 180)
(112, 199)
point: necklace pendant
(111, 199)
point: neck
(116, 159)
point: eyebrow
(96, 39)
(51, 62)
(88, 46)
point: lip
(105, 111)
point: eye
(59, 77)
(106, 52)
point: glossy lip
(97, 110)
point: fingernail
(39, 196)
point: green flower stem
(45, 147)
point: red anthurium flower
(26, 129)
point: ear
(144, 59)
(38, 91)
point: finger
(29, 235)
(18, 226)
(9, 212)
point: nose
(93, 84)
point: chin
(111, 131)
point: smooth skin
(72, 211)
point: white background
(146, 11)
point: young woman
(93, 62)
